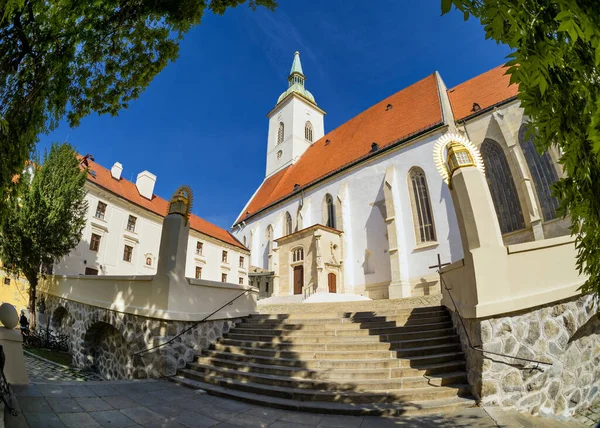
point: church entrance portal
(331, 279)
(298, 279)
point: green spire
(296, 65)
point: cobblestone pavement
(590, 417)
(162, 404)
(39, 369)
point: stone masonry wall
(565, 334)
(106, 340)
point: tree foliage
(68, 58)
(45, 217)
(555, 61)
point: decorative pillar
(319, 262)
(533, 212)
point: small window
(241, 261)
(297, 255)
(244, 241)
(148, 261)
(288, 224)
(131, 223)
(127, 253)
(280, 133)
(224, 257)
(100, 210)
(95, 242)
(199, 247)
(279, 154)
(241, 281)
(329, 211)
(308, 131)
(7, 281)
(91, 271)
(198, 272)
(223, 277)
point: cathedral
(362, 210)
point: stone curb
(62, 366)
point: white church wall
(368, 234)
(145, 240)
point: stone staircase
(393, 361)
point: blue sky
(202, 120)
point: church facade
(362, 210)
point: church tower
(295, 122)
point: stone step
(365, 372)
(339, 355)
(342, 322)
(320, 338)
(332, 395)
(339, 346)
(367, 315)
(396, 408)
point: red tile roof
(487, 90)
(128, 191)
(413, 109)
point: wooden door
(298, 279)
(331, 279)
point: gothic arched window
(280, 133)
(421, 206)
(288, 224)
(502, 187)
(542, 172)
(308, 131)
(329, 211)
(298, 219)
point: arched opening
(308, 131)
(502, 187)
(61, 319)
(288, 224)
(421, 207)
(297, 261)
(332, 282)
(280, 133)
(106, 352)
(329, 219)
(543, 173)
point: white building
(362, 210)
(123, 230)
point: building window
(91, 271)
(244, 241)
(148, 261)
(95, 242)
(288, 224)
(421, 206)
(127, 253)
(223, 277)
(297, 254)
(198, 272)
(131, 223)
(329, 211)
(224, 256)
(502, 187)
(542, 173)
(279, 154)
(241, 281)
(199, 247)
(100, 210)
(308, 132)
(241, 261)
(7, 281)
(280, 133)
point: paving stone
(195, 420)
(43, 370)
(43, 420)
(18, 421)
(302, 418)
(141, 415)
(245, 420)
(475, 417)
(79, 391)
(120, 402)
(145, 399)
(266, 413)
(93, 404)
(78, 420)
(26, 390)
(34, 404)
(286, 424)
(103, 390)
(64, 405)
(50, 390)
(340, 421)
(163, 423)
(379, 422)
(112, 418)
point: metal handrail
(310, 290)
(172, 340)
(478, 348)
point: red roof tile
(487, 90)
(128, 190)
(413, 109)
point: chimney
(145, 184)
(116, 170)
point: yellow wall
(17, 293)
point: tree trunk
(32, 300)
